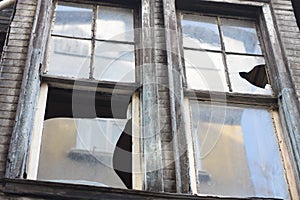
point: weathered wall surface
(11, 72)
(15, 54)
(290, 38)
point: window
(93, 42)
(84, 121)
(228, 49)
(231, 107)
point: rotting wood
(18, 152)
(150, 119)
(176, 75)
(51, 190)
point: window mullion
(224, 55)
(94, 29)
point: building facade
(162, 99)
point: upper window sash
(92, 42)
(221, 54)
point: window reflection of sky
(238, 128)
(200, 32)
(240, 36)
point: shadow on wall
(296, 7)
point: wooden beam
(176, 77)
(18, 152)
(149, 118)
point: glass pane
(235, 156)
(80, 151)
(200, 32)
(73, 21)
(237, 64)
(240, 36)
(114, 62)
(69, 57)
(205, 70)
(115, 24)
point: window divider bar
(224, 55)
(94, 29)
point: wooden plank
(288, 103)
(150, 119)
(51, 190)
(19, 147)
(176, 76)
(36, 139)
(137, 172)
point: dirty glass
(114, 62)
(80, 151)
(115, 24)
(200, 32)
(240, 36)
(205, 70)
(237, 64)
(73, 21)
(236, 152)
(69, 57)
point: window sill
(53, 190)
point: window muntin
(227, 36)
(236, 151)
(77, 41)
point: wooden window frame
(134, 5)
(260, 12)
(101, 87)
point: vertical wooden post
(19, 147)
(150, 119)
(176, 77)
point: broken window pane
(115, 24)
(80, 151)
(69, 57)
(205, 70)
(200, 32)
(236, 152)
(240, 36)
(238, 64)
(114, 62)
(73, 21)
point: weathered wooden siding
(290, 36)
(164, 104)
(15, 54)
(11, 72)
(5, 18)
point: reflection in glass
(73, 21)
(200, 32)
(69, 57)
(240, 36)
(114, 62)
(115, 24)
(205, 70)
(236, 152)
(237, 64)
(80, 151)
